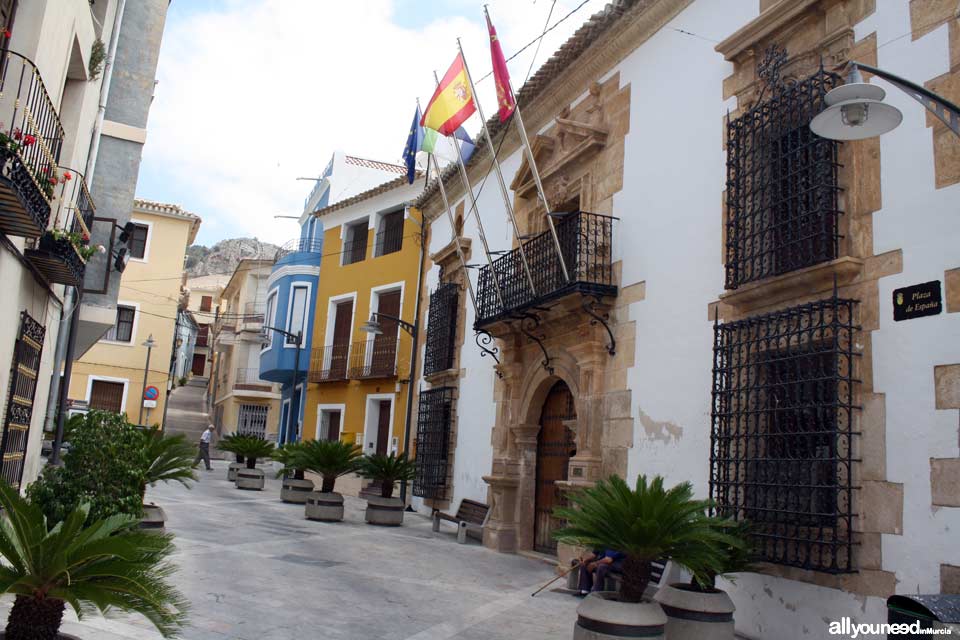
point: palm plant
(387, 470)
(286, 455)
(167, 459)
(251, 448)
(107, 565)
(645, 523)
(329, 459)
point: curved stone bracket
(591, 305)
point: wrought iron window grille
(440, 348)
(434, 419)
(782, 435)
(782, 182)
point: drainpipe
(415, 343)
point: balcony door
(343, 317)
(384, 355)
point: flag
(452, 102)
(467, 145)
(414, 138)
(501, 76)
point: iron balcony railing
(389, 240)
(31, 137)
(249, 379)
(299, 245)
(586, 242)
(329, 363)
(376, 358)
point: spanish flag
(452, 102)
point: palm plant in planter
(698, 609)
(251, 448)
(109, 564)
(295, 486)
(227, 443)
(165, 459)
(386, 470)
(646, 523)
(329, 459)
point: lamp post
(150, 343)
(372, 326)
(297, 340)
(856, 110)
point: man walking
(204, 452)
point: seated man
(595, 566)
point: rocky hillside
(223, 257)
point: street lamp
(149, 343)
(297, 340)
(856, 109)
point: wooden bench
(471, 516)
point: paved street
(255, 569)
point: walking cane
(572, 567)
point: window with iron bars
(433, 442)
(782, 431)
(442, 328)
(782, 187)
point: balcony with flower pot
(31, 137)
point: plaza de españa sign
(917, 301)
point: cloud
(253, 94)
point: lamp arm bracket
(944, 110)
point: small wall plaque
(917, 301)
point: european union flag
(414, 139)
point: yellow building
(243, 403)
(359, 382)
(110, 375)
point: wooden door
(107, 396)
(555, 446)
(383, 428)
(199, 364)
(384, 356)
(341, 339)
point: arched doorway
(555, 446)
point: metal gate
(555, 446)
(23, 386)
(252, 420)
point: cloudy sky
(252, 94)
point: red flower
(29, 140)
(67, 176)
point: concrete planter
(232, 470)
(154, 518)
(295, 491)
(384, 511)
(601, 616)
(693, 614)
(250, 479)
(325, 507)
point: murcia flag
(501, 76)
(452, 102)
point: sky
(252, 94)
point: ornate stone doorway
(555, 446)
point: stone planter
(601, 616)
(153, 518)
(325, 507)
(295, 491)
(693, 614)
(250, 479)
(384, 511)
(232, 470)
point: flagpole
(453, 228)
(496, 165)
(476, 212)
(530, 161)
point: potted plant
(646, 523)
(165, 459)
(296, 487)
(329, 459)
(109, 564)
(227, 444)
(698, 609)
(386, 470)
(251, 448)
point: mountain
(223, 257)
